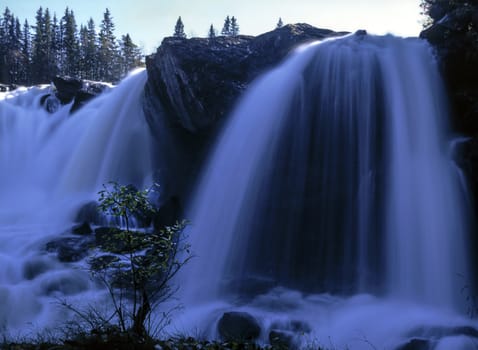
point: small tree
(179, 29)
(226, 29)
(141, 264)
(280, 24)
(234, 27)
(212, 32)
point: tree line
(33, 54)
(230, 28)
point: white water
(52, 164)
(333, 177)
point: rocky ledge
(193, 84)
(198, 80)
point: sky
(149, 21)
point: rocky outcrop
(194, 83)
(198, 80)
(453, 32)
(74, 90)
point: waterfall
(333, 178)
(51, 165)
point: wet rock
(238, 326)
(67, 88)
(70, 249)
(89, 213)
(415, 344)
(78, 91)
(82, 229)
(50, 102)
(7, 87)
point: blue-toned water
(331, 198)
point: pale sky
(149, 21)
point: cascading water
(333, 178)
(51, 165)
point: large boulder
(198, 80)
(238, 326)
(76, 90)
(194, 83)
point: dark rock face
(453, 34)
(82, 229)
(90, 213)
(198, 80)
(194, 83)
(238, 326)
(79, 91)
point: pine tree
(234, 31)
(26, 55)
(131, 54)
(82, 65)
(56, 43)
(50, 69)
(179, 29)
(16, 52)
(279, 23)
(91, 52)
(7, 33)
(212, 32)
(108, 57)
(70, 44)
(39, 49)
(226, 29)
